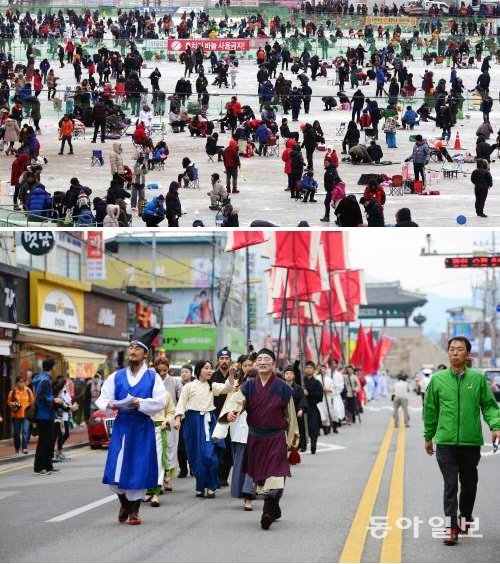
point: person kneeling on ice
(308, 186)
(138, 393)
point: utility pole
(153, 262)
(494, 306)
(247, 265)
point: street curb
(23, 457)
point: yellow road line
(22, 466)
(392, 545)
(355, 543)
(14, 468)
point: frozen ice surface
(262, 180)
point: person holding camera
(20, 398)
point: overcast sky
(394, 254)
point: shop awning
(74, 355)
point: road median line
(356, 539)
(392, 545)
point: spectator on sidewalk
(45, 416)
(18, 400)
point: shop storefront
(189, 343)
(13, 310)
(81, 326)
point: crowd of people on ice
(115, 99)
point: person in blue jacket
(154, 211)
(45, 416)
(410, 118)
(39, 202)
(262, 134)
(380, 80)
(308, 186)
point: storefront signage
(56, 303)
(228, 44)
(8, 302)
(106, 317)
(59, 313)
(190, 338)
(95, 256)
(37, 242)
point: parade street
(369, 468)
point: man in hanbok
(138, 393)
(272, 428)
(338, 411)
(173, 385)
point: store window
(68, 264)
(33, 262)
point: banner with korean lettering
(96, 266)
(222, 44)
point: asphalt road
(326, 509)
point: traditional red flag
(361, 356)
(331, 304)
(353, 286)
(330, 345)
(295, 249)
(335, 248)
(372, 365)
(240, 239)
(324, 345)
(383, 346)
(303, 284)
(336, 348)
(370, 340)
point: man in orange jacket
(66, 128)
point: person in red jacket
(232, 164)
(69, 51)
(19, 165)
(37, 82)
(287, 159)
(365, 120)
(331, 156)
(375, 192)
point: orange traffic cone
(457, 146)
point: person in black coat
(297, 162)
(100, 210)
(348, 212)
(351, 137)
(313, 390)
(484, 149)
(403, 218)
(358, 101)
(300, 403)
(173, 205)
(375, 151)
(99, 117)
(374, 212)
(482, 180)
(309, 144)
(330, 179)
(116, 192)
